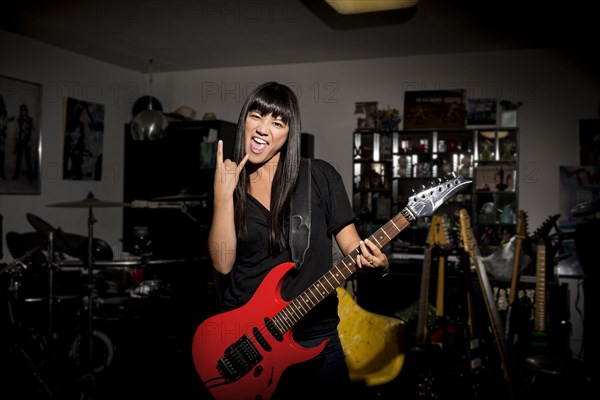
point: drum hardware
(18, 348)
(151, 288)
(148, 288)
(50, 333)
(87, 333)
(16, 267)
(183, 205)
(141, 241)
(184, 197)
(75, 265)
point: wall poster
(20, 136)
(83, 140)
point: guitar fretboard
(421, 335)
(540, 289)
(336, 276)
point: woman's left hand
(371, 256)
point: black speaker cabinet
(175, 176)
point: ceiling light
(149, 124)
(366, 6)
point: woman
(23, 144)
(249, 233)
(4, 120)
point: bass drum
(103, 351)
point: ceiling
(184, 35)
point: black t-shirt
(330, 211)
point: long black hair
(280, 101)
(2, 106)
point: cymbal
(19, 244)
(64, 242)
(39, 224)
(182, 197)
(89, 202)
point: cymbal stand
(184, 209)
(86, 347)
(50, 339)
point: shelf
(389, 167)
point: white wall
(64, 74)
(556, 93)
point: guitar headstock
(427, 201)
(466, 233)
(438, 232)
(522, 224)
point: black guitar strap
(300, 216)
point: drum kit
(88, 256)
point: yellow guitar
(372, 343)
(436, 238)
(518, 308)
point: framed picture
(84, 138)
(368, 114)
(20, 136)
(496, 178)
(426, 109)
(481, 111)
(579, 184)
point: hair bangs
(276, 104)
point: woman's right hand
(227, 174)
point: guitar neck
(336, 276)
(424, 300)
(540, 289)
(520, 235)
(439, 300)
(496, 324)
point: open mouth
(258, 145)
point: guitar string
(403, 218)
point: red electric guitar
(241, 354)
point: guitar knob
(258, 370)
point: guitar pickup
(239, 359)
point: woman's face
(265, 136)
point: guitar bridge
(239, 359)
